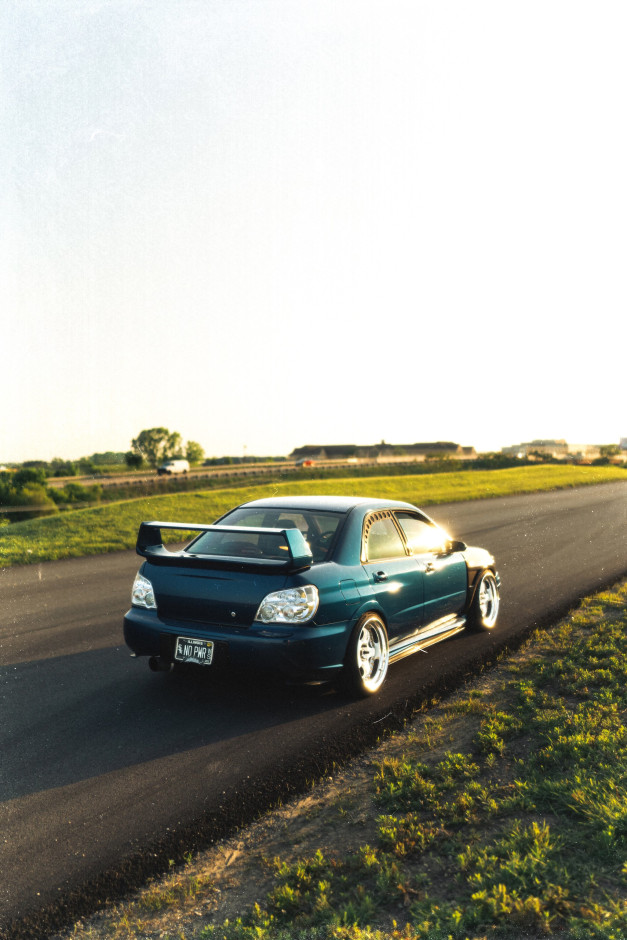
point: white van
(173, 466)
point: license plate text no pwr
(189, 650)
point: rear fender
(368, 607)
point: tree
(156, 445)
(194, 452)
(36, 464)
(27, 492)
(609, 450)
(175, 445)
(28, 476)
(133, 461)
(110, 457)
(62, 468)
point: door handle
(380, 576)
(429, 567)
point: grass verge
(500, 812)
(114, 526)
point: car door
(394, 578)
(445, 573)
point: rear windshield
(272, 546)
(318, 530)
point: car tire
(367, 657)
(484, 608)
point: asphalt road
(103, 762)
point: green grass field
(114, 526)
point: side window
(421, 536)
(383, 540)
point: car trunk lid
(219, 595)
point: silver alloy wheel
(488, 600)
(372, 654)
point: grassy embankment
(114, 527)
(500, 812)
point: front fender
(478, 560)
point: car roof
(328, 503)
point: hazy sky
(266, 223)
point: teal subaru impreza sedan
(308, 587)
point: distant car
(310, 587)
(173, 466)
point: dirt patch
(338, 816)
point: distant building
(383, 451)
(623, 443)
(558, 449)
(584, 451)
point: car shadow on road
(79, 716)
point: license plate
(190, 650)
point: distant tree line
(24, 489)
(84, 466)
(24, 494)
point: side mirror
(455, 545)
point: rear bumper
(296, 652)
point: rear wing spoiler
(150, 545)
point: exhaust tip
(159, 665)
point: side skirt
(440, 630)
